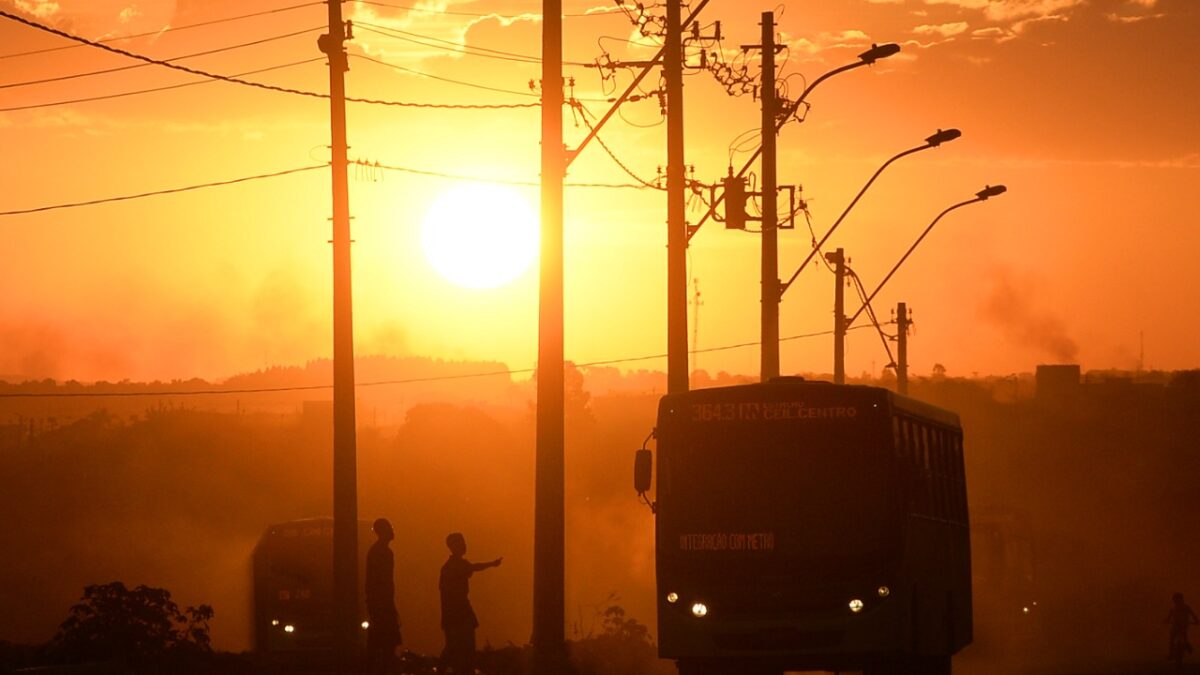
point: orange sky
(1086, 110)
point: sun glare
(480, 236)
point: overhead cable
(155, 193)
(450, 45)
(505, 17)
(168, 29)
(118, 69)
(587, 120)
(498, 181)
(259, 85)
(136, 92)
(393, 66)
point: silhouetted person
(458, 619)
(1179, 618)
(383, 627)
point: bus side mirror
(643, 462)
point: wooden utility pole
(549, 646)
(770, 215)
(345, 463)
(677, 233)
(902, 324)
(838, 260)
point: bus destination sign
(727, 541)
(768, 411)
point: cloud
(129, 14)
(993, 33)
(1022, 26)
(1010, 10)
(942, 29)
(1118, 18)
(846, 39)
(42, 9)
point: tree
(138, 625)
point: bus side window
(897, 438)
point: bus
(293, 586)
(802, 525)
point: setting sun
(480, 236)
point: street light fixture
(877, 52)
(981, 196)
(939, 137)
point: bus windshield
(800, 499)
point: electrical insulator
(735, 203)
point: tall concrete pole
(549, 646)
(677, 234)
(345, 463)
(770, 216)
(838, 260)
(902, 324)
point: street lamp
(983, 195)
(939, 137)
(902, 319)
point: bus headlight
(856, 605)
(672, 597)
(884, 591)
(699, 610)
(366, 625)
(274, 622)
(289, 628)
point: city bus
(802, 525)
(293, 586)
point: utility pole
(549, 639)
(838, 260)
(902, 324)
(345, 463)
(770, 215)
(677, 232)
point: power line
(586, 114)
(258, 85)
(364, 57)
(105, 97)
(168, 29)
(380, 383)
(497, 181)
(168, 191)
(507, 17)
(450, 45)
(244, 179)
(206, 52)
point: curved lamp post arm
(931, 142)
(983, 195)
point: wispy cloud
(1010, 10)
(942, 29)
(1136, 18)
(42, 9)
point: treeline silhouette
(173, 497)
